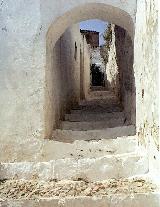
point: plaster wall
(63, 76)
(22, 78)
(25, 26)
(146, 64)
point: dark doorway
(97, 76)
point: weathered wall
(22, 78)
(96, 58)
(63, 76)
(24, 26)
(147, 78)
(124, 58)
(63, 89)
(120, 73)
(112, 69)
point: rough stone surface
(112, 69)
(33, 189)
(97, 59)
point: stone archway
(102, 11)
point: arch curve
(87, 11)
(56, 29)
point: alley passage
(101, 116)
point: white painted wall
(24, 29)
(63, 76)
(21, 75)
(146, 53)
(63, 89)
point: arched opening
(59, 102)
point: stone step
(89, 149)
(135, 192)
(103, 95)
(99, 88)
(145, 199)
(94, 116)
(92, 169)
(96, 104)
(95, 109)
(99, 102)
(92, 125)
(109, 133)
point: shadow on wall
(125, 58)
(63, 76)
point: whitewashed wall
(147, 78)
(25, 26)
(63, 76)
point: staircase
(96, 162)
(94, 119)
